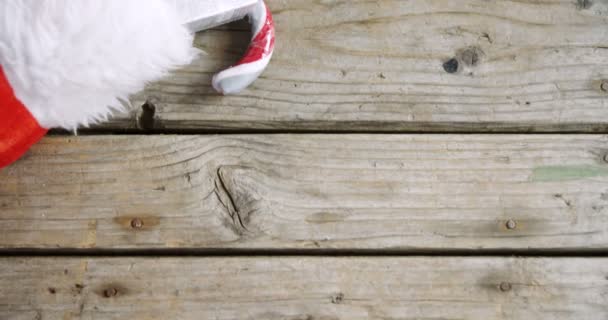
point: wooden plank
(405, 192)
(524, 65)
(303, 288)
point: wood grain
(301, 288)
(405, 192)
(379, 66)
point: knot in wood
(470, 56)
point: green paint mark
(562, 173)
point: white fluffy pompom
(71, 61)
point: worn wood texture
(298, 288)
(309, 192)
(379, 65)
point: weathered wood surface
(378, 65)
(309, 192)
(298, 288)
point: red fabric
(262, 44)
(19, 130)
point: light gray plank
(300, 288)
(406, 192)
(378, 65)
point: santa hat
(65, 63)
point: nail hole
(604, 86)
(451, 66)
(584, 4)
(78, 288)
(146, 118)
(338, 298)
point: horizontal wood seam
(211, 252)
(228, 132)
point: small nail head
(337, 299)
(511, 224)
(604, 86)
(110, 292)
(505, 286)
(137, 223)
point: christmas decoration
(66, 64)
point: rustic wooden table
(423, 159)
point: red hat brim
(19, 130)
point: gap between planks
(317, 127)
(222, 252)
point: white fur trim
(72, 61)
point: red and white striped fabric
(81, 59)
(257, 57)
